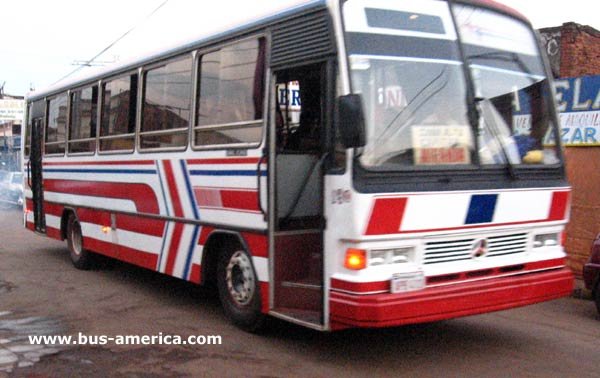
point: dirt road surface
(41, 293)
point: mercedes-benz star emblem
(479, 248)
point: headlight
(546, 240)
(390, 256)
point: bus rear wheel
(80, 257)
(239, 290)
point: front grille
(456, 250)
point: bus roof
(262, 18)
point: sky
(42, 39)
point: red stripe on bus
(53, 209)
(126, 162)
(257, 244)
(141, 225)
(172, 187)
(101, 247)
(177, 208)
(195, 274)
(445, 302)
(173, 248)
(238, 199)
(137, 257)
(264, 296)
(384, 286)
(360, 287)
(99, 217)
(30, 226)
(204, 234)
(386, 216)
(53, 233)
(142, 195)
(140, 258)
(558, 209)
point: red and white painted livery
(415, 174)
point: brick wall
(580, 56)
(580, 50)
(583, 170)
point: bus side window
(300, 103)
(117, 129)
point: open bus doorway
(298, 221)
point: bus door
(34, 175)
(296, 183)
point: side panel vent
(302, 39)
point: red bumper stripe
(438, 303)
(384, 286)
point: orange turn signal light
(356, 259)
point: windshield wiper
(415, 103)
(489, 119)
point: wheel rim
(240, 278)
(76, 240)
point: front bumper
(445, 302)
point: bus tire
(239, 289)
(80, 257)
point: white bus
(358, 163)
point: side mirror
(351, 121)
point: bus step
(313, 317)
(302, 285)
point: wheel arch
(64, 219)
(217, 241)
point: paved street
(41, 293)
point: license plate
(403, 282)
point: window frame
(141, 99)
(231, 125)
(98, 119)
(47, 101)
(100, 138)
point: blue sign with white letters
(578, 101)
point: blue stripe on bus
(226, 173)
(166, 232)
(188, 186)
(188, 260)
(114, 171)
(192, 198)
(481, 208)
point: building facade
(574, 52)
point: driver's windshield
(406, 62)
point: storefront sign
(578, 101)
(12, 110)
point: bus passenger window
(117, 129)
(166, 105)
(229, 106)
(84, 113)
(56, 125)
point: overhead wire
(88, 62)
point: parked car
(591, 272)
(11, 188)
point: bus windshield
(423, 109)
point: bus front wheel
(239, 290)
(81, 258)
